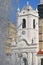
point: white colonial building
(26, 49)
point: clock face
(23, 32)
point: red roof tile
(40, 52)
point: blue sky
(33, 3)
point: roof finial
(27, 3)
(18, 9)
(18, 5)
(36, 9)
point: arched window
(24, 23)
(25, 61)
(34, 23)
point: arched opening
(34, 23)
(25, 61)
(24, 23)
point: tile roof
(40, 52)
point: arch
(34, 23)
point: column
(35, 60)
(29, 59)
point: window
(34, 23)
(23, 12)
(32, 40)
(28, 9)
(24, 23)
(25, 61)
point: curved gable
(23, 43)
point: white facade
(27, 37)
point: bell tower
(27, 20)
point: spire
(27, 3)
(18, 9)
(36, 9)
